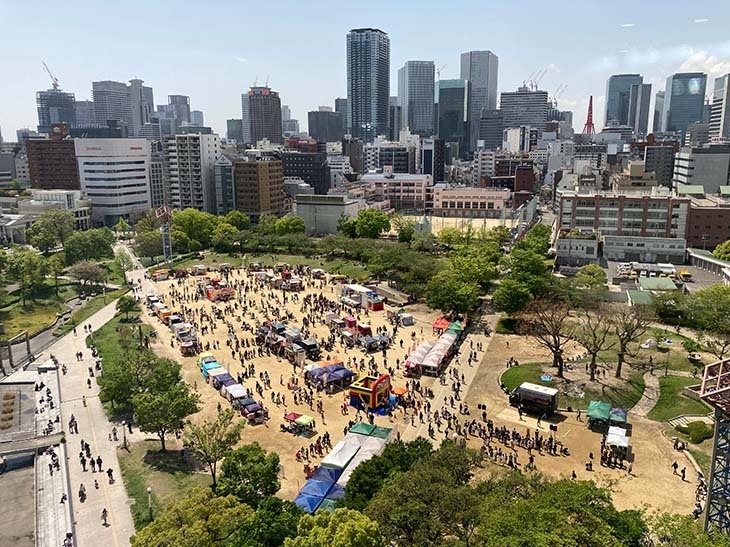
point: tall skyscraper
(491, 129)
(179, 105)
(416, 95)
(325, 126)
(197, 118)
(658, 111)
(85, 116)
(618, 98)
(142, 103)
(112, 101)
(525, 107)
(720, 109)
(285, 112)
(55, 106)
(684, 101)
(639, 98)
(368, 82)
(234, 130)
(341, 106)
(453, 111)
(395, 119)
(480, 68)
(190, 170)
(262, 114)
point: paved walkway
(650, 396)
(94, 428)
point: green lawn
(624, 396)
(35, 314)
(703, 459)
(92, 306)
(672, 403)
(110, 338)
(143, 465)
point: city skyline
(215, 68)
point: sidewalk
(94, 428)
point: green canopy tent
(455, 327)
(327, 505)
(362, 428)
(598, 410)
(381, 432)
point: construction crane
(558, 93)
(54, 80)
(540, 75)
(438, 71)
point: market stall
(598, 413)
(341, 454)
(439, 354)
(416, 357)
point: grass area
(703, 459)
(115, 276)
(114, 335)
(672, 403)
(35, 314)
(506, 325)
(626, 395)
(93, 305)
(143, 465)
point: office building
(52, 164)
(432, 158)
(401, 158)
(179, 107)
(55, 106)
(480, 69)
(519, 140)
(720, 109)
(343, 109)
(197, 118)
(491, 129)
(142, 104)
(22, 171)
(65, 200)
(634, 178)
(368, 82)
(311, 167)
(225, 186)
(639, 98)
(259, 187)
(325, 126)
(340, 170)
(416, 96)
(112, 101)
(402, 190)
(658, 111)
(234, 130)
(660, 160)
(261, 114)
(706, 166)
(618, 98)
(684, 101)
(354, 150)
(285, 113)
(7, 168)
(85, 116)
(524, 107)
(290, 127)
(395, 119)
(158, 188)
(321, 214)
(115, 175)
(189, 170)
(150, 130)
(453, 111)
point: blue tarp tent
(336, 492)
(314, 487)
(327, 474)
(308, 503)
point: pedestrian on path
(675, 465)
(104, 516)
(579, 415)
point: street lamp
(149, 500)
(124, 433)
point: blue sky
(213, 51)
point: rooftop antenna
(589, 129)
(267, 81)
(438, 71)
(255, 81)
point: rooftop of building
(656, 284)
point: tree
(89, 245)
(179, 239)
(342, 528)
(267, 224)
(237, 219)
(684, 531)
(122, 227)
(722, 251)
(347, 226)
(126, 305)
(250, 474)
(149, 243)
(371, 223)
(56, 266)
(223, 236)
(211, 440)
(273, 521)
(447, 292)
(710, 309)
(591, 276)
(123, 262)
(405, 227)
(628, 325)
(290, 224)
(163, 412)
(476, 263)
(592, 333)
(199, 519)
(547, 320)
(511, 296)
(86, 272)
(147, 223)
(198, 225)
(50, 229)
(28, 269)
(450, 236)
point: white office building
(114, 174)
(720, 109)
(708, 166)
(65, 200)
(190, 170)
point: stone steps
(683, 421)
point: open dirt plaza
(651, 483)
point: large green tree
(224, 236)
(149, 243)
(267, 224)
(89, 245)
(512, 295)
(447, 292)
(477, 263)
(126, 305)
(51, 228)
(250, 474)
(86, 273)
(710, 309)
(124, 262)
(211, 440)
(290, 224)
(684, 531)
(371, 223)
(28, 269)
(163, 412)
(722, 251)
(273, 521)
(199, 519)
(238, 219)
(548, 322)
(198, 225)
(342, 528)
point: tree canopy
(51, 229)
(92, 244)
(289, 224)
(371, 223)
(197, 225)
(446, 291)
(250, 474)
(163, 412)
(342, 528)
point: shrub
(697, 431)
(506, 325)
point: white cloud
(701, 20)
(628, 25)
(702, 61)
(241, 59)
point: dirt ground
(651, 484)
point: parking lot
(700, 278)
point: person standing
(104, 516)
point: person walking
(104, 516)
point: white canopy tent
(617, 437)
(341, 454)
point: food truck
(535, 398)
